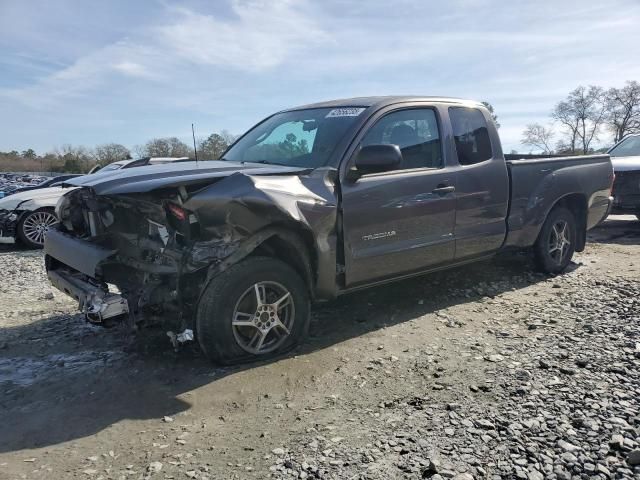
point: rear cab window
(471, 134)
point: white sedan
(27, 216)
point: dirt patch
(487, 371)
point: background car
(51, 182)
(625, 157)
(138, 162)
(27, 215)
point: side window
(415, 131)
(471, 134)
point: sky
(88, 72)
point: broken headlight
(182, 220)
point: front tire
(255, 310)
(33, 227)
(556, 243)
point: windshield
(629, 147)
(301, 138)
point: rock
(582, 362)
(616, 442)
(154, 467)
(463, 476)
(633, 458)
(486, 424)
(567, 447)
(544, 364)
(496, 357)
(278, 451)
(431, 469)
(167, 419)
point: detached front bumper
(72, 266)
(8, 224)
(78, 254)
(95, 302)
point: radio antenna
(195, 150)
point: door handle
(443, 189)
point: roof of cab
(384, 101)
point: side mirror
(377, 158)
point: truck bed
(537, 184)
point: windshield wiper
(266, 162)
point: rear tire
(233, 326)
(33, 226)
(556, 243)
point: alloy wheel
(263, 317)
(36, 226)
(559, 241)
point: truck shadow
(61, 379)
(618, 229)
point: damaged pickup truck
(312, 203)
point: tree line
(80, 159)
(578, 122)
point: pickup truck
(311, 203)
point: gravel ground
(487, 371)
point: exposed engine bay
(146, 256)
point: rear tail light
(613, 180)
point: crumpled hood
(147, 178)
(625, 164)
(39, 197)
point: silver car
(625, 157)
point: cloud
(132, 69)
(129, 72)
(260, 35)
(263, 34)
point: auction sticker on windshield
(345, 112)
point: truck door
(482, 188)
(401, 221)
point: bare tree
(623, 110)
(564, 113)
(111, 152)
(538, 136)
(164, 147)
(582, 115)
(492, 112)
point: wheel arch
(576, 203)
(291, 246)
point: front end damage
(145, 257)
